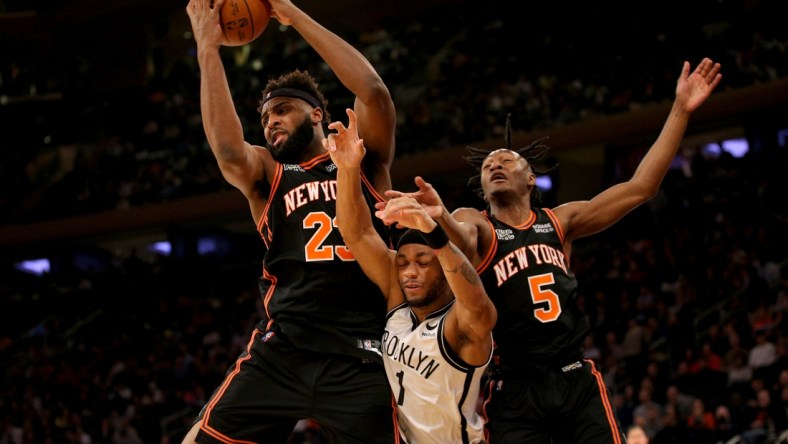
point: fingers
(393, 194)
(197, 6)
(397, 205)
(715, 81)
(405, 214)
(204, 6)
(338, 126)
(351, 118)
(685, 69)
(422, 184)
(710, 71)
(713, 77)
(329, 145)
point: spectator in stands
(636, 435)
(700, 423)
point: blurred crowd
(91, 150)
(688, 295)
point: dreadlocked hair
(303, 81)
(532, 153)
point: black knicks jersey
(527, 276)
(314, 292)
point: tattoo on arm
(470, 274)
(464, 268)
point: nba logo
(268, 335)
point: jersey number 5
(316, 249)
(539, 294)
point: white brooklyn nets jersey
(435, 391)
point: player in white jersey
(438, 339)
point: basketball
(243, 20)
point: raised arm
(239, 161)
(583, 218)
(373, 104)
(354, 218)
(473, 316)
(468, 230)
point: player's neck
(313, 150)
(512, 213)
(422, 312)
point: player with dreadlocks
(541, 390)
(532, 154)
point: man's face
(288, 128)
(420, 275)
(505, 171)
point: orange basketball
(243, 20)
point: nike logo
(431, 327)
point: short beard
(436, 290)
(294, 146)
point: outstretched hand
(282, 11)
(406, 212)
(344, 146)
(205, 22)
(426, 196)
(693, 88)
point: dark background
(103, 155)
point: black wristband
(437, 238)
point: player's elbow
(485, 311)
(350, 234)
(642, 192)
(376, 93)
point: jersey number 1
(401, 395)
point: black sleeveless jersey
(527, 276)
(314, 292)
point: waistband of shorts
(366, 349)
(564, 362)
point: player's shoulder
(468, 214)
(261, 151)
(469, 211)
(265, 160)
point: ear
(531, 179)
(316, 115)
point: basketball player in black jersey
(316, 354)
(541, 389)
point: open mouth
(277, 137)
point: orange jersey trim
(270, 293)
(611, 419)
(488, 256)
(266, 234)
(558, 228)
(314, 161)
(528, 222)
(220, 392)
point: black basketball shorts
(274, 384)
